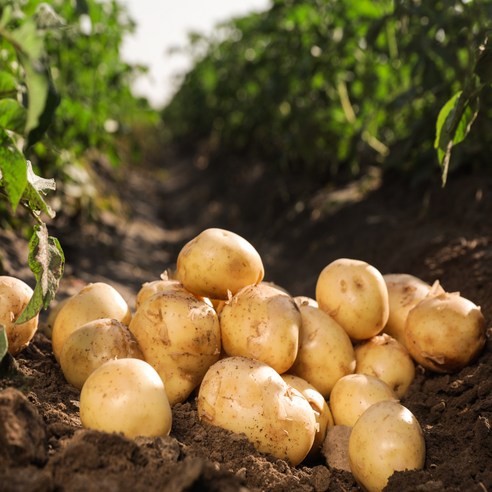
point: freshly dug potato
(305, 300)
(325, 351)
(386, 438)
(15, 294)
(386, 358)
(263, 323)
(94, 343)
(322, 412)
(127, 396)
(218, 262)
(355, 295)
(355, 393)
(179, 336)
(405, 291)
(247, 396)
(445, 333)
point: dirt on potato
(424, 230)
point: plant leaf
(36, 187)
(46, 260)
(12, 115)
(13, 169)
(8, 83)
(4, 343)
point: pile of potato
(281, 369)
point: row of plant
(324, 87)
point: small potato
(386, 438)
(322, 412)
(127, 396)
(405, 292)
(355, 393)
(355, 295)
(445, 333)
(15, 294)
(247, 396)
(386, 358)
(325, 350)
(218, 262)
(262, 322)
(94, 343)
(179, 336)
(94, 301)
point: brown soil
(427, 231)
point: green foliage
(328, 86)
(4, 348)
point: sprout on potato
(325, 351)
(353, 394)
(355, 295)
(179, 336)
(247, 396)
(94, 343)
(94, 301)
(127, 396)
(386, 358)
(405, 291)
(15, 294)
(386, 438)
(445, 333)
(218, 262)
(261, 322)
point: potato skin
(445, 333)
(94, 301)
(217, 262)
(355, 295)
(247, 396)
(325, 351)
(261, 322)
(179, 336)
(15, 294)
(94, 343)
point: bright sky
(162, 24)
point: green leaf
(46, 260)
(12, 115)
(13, 169)
(8, 84)
(36, 187)
(4, 343)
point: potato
(386, 358)
(355, 393)
(322, 412)
(248, 396)
(217, 262)
(305, 300)
(94, 343)
(179, 336)
(94, 301)
(355, 294)
(263, 323)
(127, 396)
(386, 438)
(445, 333)
(14, 297)
(405, 292)
(325, 351)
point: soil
(424, 230)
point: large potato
(14, 297)
(386, 358)
(127, 396)
(94, 343)
(218, 262)
(405, 291)
(386, 438)
(247, 396)
(445, 333)
(262, 322)
(355, 294)
(325, 350)
(179, 336)
(94, 301)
